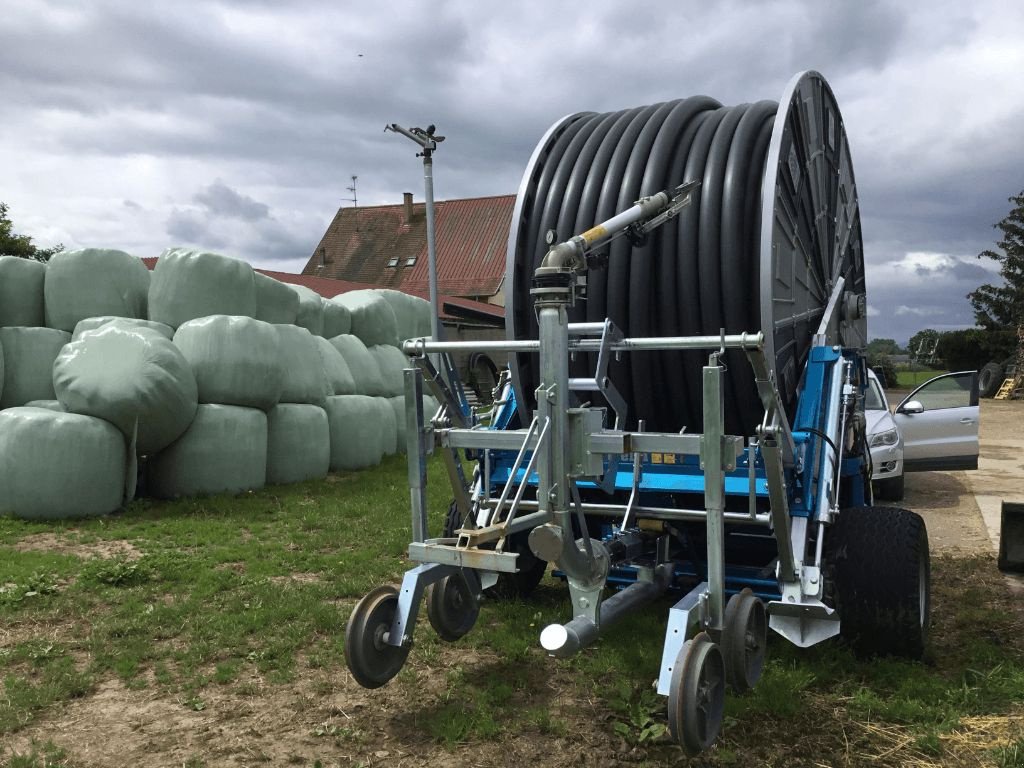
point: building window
(393, 262)
(411, 261)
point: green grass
(206, 595)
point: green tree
(12, 244)
(1001, 307)
(883, 347)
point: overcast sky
(236, 126)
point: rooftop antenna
(352, 189)
(428, 143)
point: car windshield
(873, 399)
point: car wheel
(890, 489)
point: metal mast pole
(428, 142)
(428, 184)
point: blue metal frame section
(667, 474)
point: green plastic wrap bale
(392, 364)
(336, 319)
(60, 465)
(373, 320)
(339, 377)
(91, 282)
(363, 365)
(388, 426)
(275, 301)
(356, 438)
(21, 292)
(236, 360)
(129, 376)
(92, 323)
(188, 284)
(1, 371)
(305, 377)
(28, 363)
(224, 450)
(412, 314)
(398, 408)
(49, 405)
(298, 443)
(311, 310)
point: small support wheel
(744, 640)
(452, 606)
(696, 701)
(371, 660)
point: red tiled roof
(452, 307)
(472, 235)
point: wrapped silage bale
(91, 282)
(49, 405)
(60, 465)
(188, 284)
(21, 292)
(132, 377)
(336, 319)
(224, 450)
(401, 424)
(388, 425)
(92, 323)
(275, 301)
(298, 443)
(28, 363)
(373, 320)
(339, 377)
(412, 314)
(305, 377)
(311, 310)
(356, 438)
(236, 360)
(392, 364)
(363, 365)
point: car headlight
(889, 437)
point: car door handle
(966, 421)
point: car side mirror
(914, 406)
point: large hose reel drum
(773, 225)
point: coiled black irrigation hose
(773, 224)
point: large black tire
(880, 571)
(891, 489)
(510, 585)
(990, 377)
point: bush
(884, 369)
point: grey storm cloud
(237, 125)
(221, 200)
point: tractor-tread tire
(510, 585)
(880, 571)
(990, 378)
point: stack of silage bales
(222, 378)
(55, 462)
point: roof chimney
(407, 201)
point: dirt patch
(323, 717)
(68, 544)
(297, 578)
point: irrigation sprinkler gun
(743, 528)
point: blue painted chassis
(666, 477)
